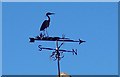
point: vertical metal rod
(58, 58)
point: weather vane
(57, 53)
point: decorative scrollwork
(55, 55)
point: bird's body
(46, 23)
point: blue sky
(94, 22)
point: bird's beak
(52, 13)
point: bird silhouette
(46, 23)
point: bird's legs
(44, 33)
(47, 33)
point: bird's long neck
(48, 18)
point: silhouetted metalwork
(39, 38)
(46, 23)
(57, 53)
(61, 51)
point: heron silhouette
(46, 23)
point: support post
(58, 58)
